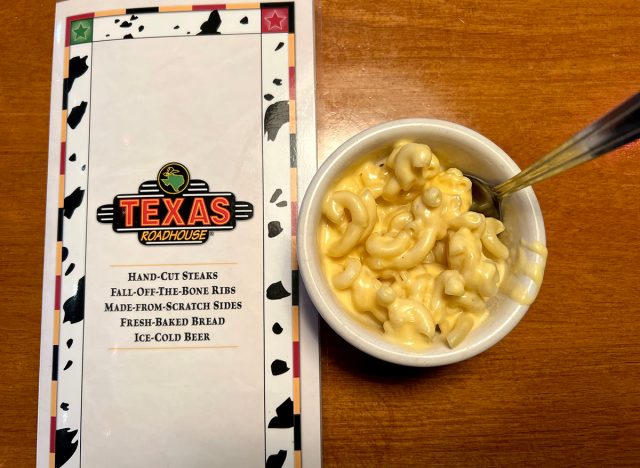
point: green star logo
(81, 31)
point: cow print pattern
(277, 460)
(279, 367)
(279, 289)
(202, 23)
(275, 116)
(284, 415)
(68, 353)
(274, 228)
(66, 446)
(76, 114)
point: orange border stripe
(292, 50)
(165, 9)
(120, 12)
(295, 323)
(61, 193)
(297, 459)
(296, 395)
(65, 73)
(243, 6)
(58, 258)
(294, 253)
(54, 397)
(63, 130)
(292, 116)
(56, 327)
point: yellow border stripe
(164, 9)
(296, 395)
(52, 460)
(292, 116)
(243, 6)
(120, 12)
(297, 459)
(292, 50)
(295, 323)
(54, 397)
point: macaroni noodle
(403, 253)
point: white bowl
(455, 146)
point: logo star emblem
(81, 31)
(275, 21)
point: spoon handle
(616, 128)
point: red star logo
(275, 20)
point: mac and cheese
(403, 253)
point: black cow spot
(77, 67)
(76, 114)
(65, 253)
(69, 342)
(74, 306)
(64, 406)
(188, 32)
(72, 201)
(68, 364)
(284, 418)
(134, 17)
(108, 35)
(279, 367)
(275, 195)
(277, 82)
(275, 117)
(127, 36)
(274, 228)
(212, 25)
(276, 460)
(72, 157)
(65, 446)
(125, 24)
(277, 328)
(268, 97)
(244, 20)
(141, 28)
(281, 204)
(176, 27)
(117, 21)
(277, 291)
(279, 46)
(84, 166)
(69, 269)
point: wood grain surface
(563, 389)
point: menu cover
(174, 331)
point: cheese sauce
(405, 256)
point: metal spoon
(614, 129)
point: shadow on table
(337, 352)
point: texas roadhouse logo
(174, 209)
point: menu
(175, 331)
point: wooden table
(563, 389)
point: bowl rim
(347, 327)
